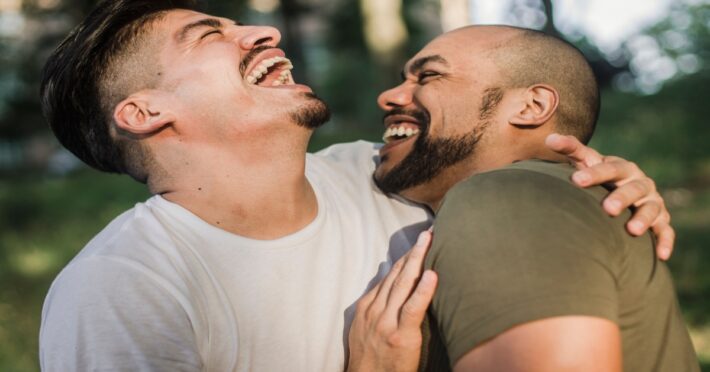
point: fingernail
(427, 276)
(614, 205)
(581, 178)
(665, 253)
(636, 226)
(422, 237)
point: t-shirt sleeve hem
(529, 311)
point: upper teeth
(398, 131)
(263, 66)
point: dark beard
(313, 114)
(427, 160)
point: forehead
(175, 21)
(452, 48)
(466, 45)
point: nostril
(263, 40)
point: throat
(263, 212)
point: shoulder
(530, 208)
(135, 253)
(362, 155)
(145, 236)
(529, 177)
(124, 294)
(529, 188)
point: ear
(141, 114)
(539, 103)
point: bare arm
(568, 343)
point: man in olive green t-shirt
(530, 268)
(533, 276)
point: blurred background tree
(655, 111)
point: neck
(485, 159)
(251, 189)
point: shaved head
(527, 57)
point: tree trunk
(550, 27)
(384, 28)
(454, 14)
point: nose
(398, 96)
(257, 36)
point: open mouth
(399, 132)
(400, 127)
(271, 71)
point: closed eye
(425, 76)
(211, 33)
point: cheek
(458, 116)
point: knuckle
(410, 309)
(401, 283)
(394, 340)
(399, 264)
(638, 188)
(594, 172)
(644, 215)
(664, 218)
(651, 184)
(611, 170)
(383, 329)
(634, 168)
(369, 314)
(361, 306)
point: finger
(414, 309)
(636, 193)
(665, 238)
(617, 172)
(643, 218)
(580, 155)
(407, 279)
(383, 288)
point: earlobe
(538, 105)
(135, 115)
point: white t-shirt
(160, 289)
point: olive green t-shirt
(522, 243)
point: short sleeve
(106, 314)
(513, 246)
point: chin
(313, 113)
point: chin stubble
(313, 114)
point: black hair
(72, 95)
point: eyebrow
(207, 22)
(419, 63)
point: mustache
(422, 116)
(250, 57)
